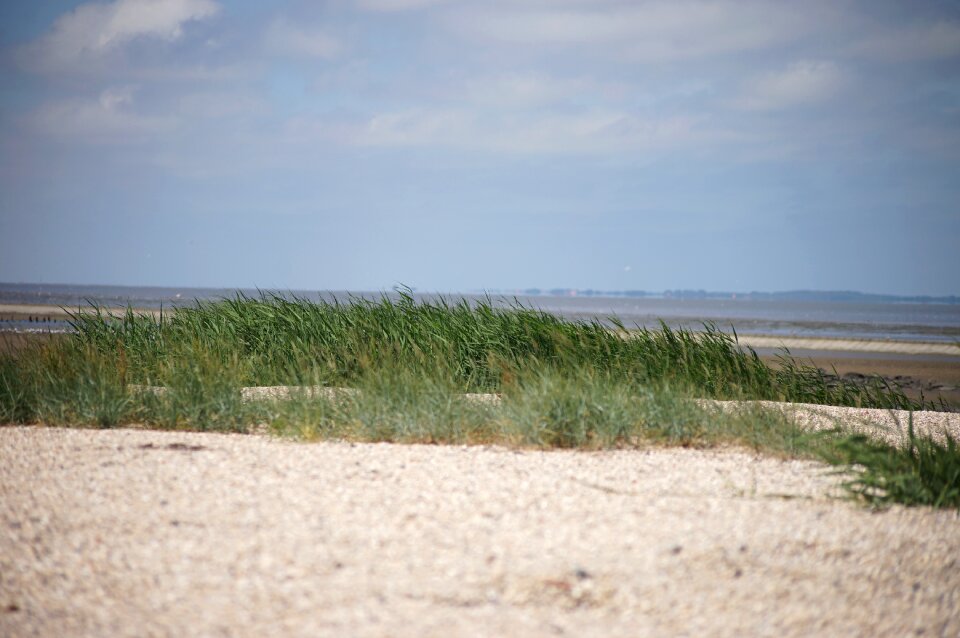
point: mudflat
(930, 377)
(41, 312)
(131, 532)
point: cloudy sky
(482, 144)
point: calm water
(904, 321)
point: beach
(442, 318)
(127, 532)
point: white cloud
(95, 29)
(397, 5)
(117, 97)
(415, 127)
(802, 84)
(649, 31)
(220, 105)
(592, 132)
(599, 131)
(917, 42)
(285, 38)
(513, 90)
(108, 119)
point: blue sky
(459, 145)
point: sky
(464, 145)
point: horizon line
(529, 291)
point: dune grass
(562, 384)
(923, 472)
(272, 340)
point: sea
(883, 320)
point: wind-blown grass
(205, 353)
(279, 341)
(562, 384)
(922, 472)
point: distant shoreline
(17, 312)
(178, 293)
(821, 296)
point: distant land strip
(786, 295)
(34, 292)
(849, 345)
(20, 312)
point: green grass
(544, 408)
(280, 341)
(563, 384)
(922, 472)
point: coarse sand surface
(134, 532)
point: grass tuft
(922, 472)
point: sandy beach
(126, 532)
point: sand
(888, 426)
(849, 345)
(129, 532)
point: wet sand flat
(125, 532)
(44, 311)
(849, 345)
(934, 377)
